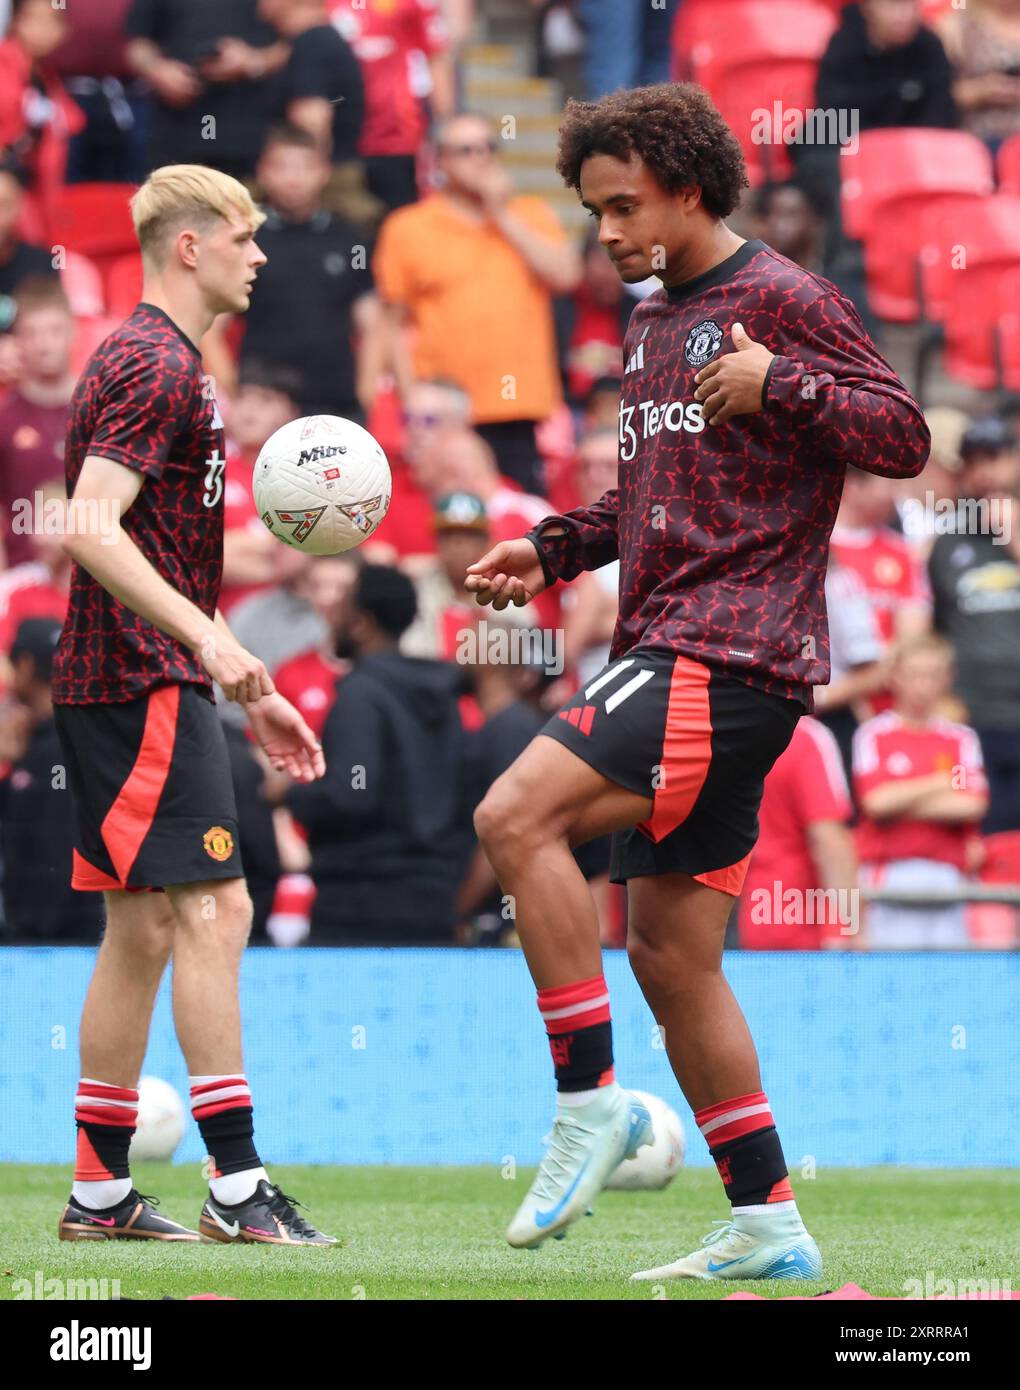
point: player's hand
(510, 572)
(731, 385)
(241, 676)
(285, 738)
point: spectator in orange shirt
(472, 271)
(800, 891)
(920, 784)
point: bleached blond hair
(182, 195)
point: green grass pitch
(436, 1233)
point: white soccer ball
(322, 484)
(657, 1163)
(162, 1120)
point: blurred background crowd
(430, 278)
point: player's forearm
(585, 538)
(124, 572)
(863, 421)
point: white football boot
(586, 1143)
(773, 1245)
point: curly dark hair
(673, 127)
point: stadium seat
(893, 181)
(1008, 166)
(980, 332)
(1009, 347)
(768, 62)
(94, 219)
(749, 56)
(968, 234)
(124, 284)
(83, 286)
(90, 333)
(997, 925)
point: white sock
(766, 1209)
(572, 1100)
(108, 1192)
(233, 1188)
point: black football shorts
(697, 742)
(152, 790)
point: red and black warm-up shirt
(723, 533)
(144, 402)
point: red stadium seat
(83, 286)
(1009, 348)
(94, 219)
(968, 234)
(768, 64)
(888, 186)
(124, 284)
(90, 333)
(996, 925)
(980, 329)
(733, 48)
(1008, 166)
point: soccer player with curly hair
(749, 386)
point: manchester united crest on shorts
(218, 843)
(703, 342)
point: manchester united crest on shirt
(703, 342)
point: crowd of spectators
(411, 288)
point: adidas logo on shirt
(636, 361)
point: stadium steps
(497, 84)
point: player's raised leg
(136, 946)
(676, 928)
(244, 1207)
(548, 800)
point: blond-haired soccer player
(141, 647)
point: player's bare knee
(223, 909)
(506, 824)
(652, 961)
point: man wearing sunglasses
(473, 269)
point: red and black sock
(580, 1033)
(222, 1109)
(105, 1117)
(743, 1141)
